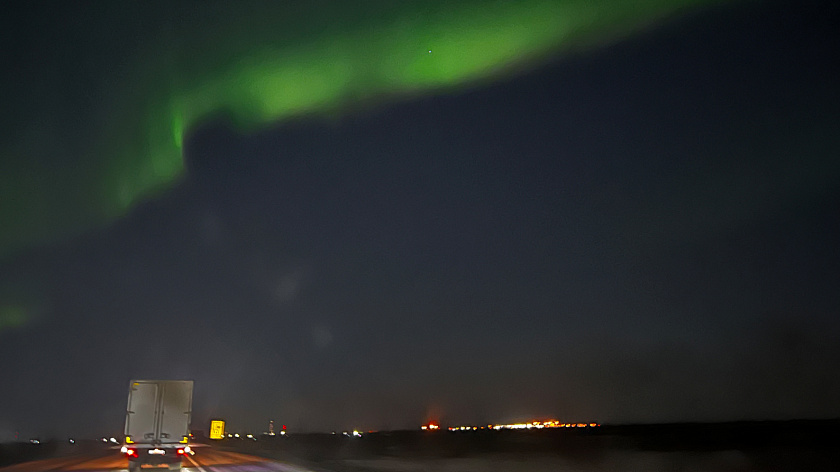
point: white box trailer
(157, 422)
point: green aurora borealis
(103, 94)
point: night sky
(374, 216)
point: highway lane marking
(196, 464)
(246, 462)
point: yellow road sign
(217, 429)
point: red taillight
(180, 451)
(131, 452)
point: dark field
(17, 452)
(741, 446)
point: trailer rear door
(142, 411)
(176, 409)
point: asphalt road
(206, 459)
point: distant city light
(532, 425)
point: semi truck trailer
(157, 423)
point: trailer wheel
(133, 466)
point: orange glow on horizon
(531, 425)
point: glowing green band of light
(260, 66)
